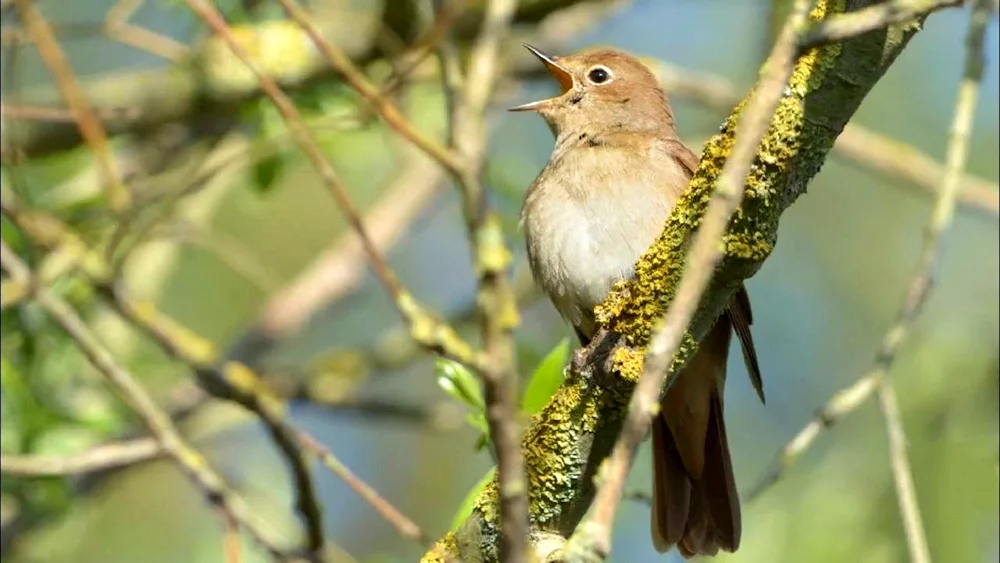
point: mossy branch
(569, 438)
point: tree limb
(570, 437)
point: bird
(616, 170)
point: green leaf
(458, 381)
(465, 509)
(266, 171)
(546, 379)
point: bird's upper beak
(563, 76)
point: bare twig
(848, 400)
(859, 145)
(430, 331)
(231, 546)
(231, 381)
(594, 534)
(42, 113)
(902, 475)
(852, 24)
(369, 91)
(90, 126)
(338, 269)
(118, 27)
(944, 210)
(495, 304)
(192, 463)
(404, 526)
(98, 458)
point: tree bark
(566, 442)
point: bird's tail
(695, 504)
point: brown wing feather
(741, 316)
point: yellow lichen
(633, 307)
(444, 550)
(555, 443)
(629, 362)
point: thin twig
(232, 381)
(902, 475)
(69, 87)
(192, 463)
(98, 458)
(57, 114)
(371, 93)
(338, 269)
(426, 328)
(495, 304)
(595, 532)
(861, 146)
(404, 526)
(446, 14)
(231, 545)
(958, 154)
(117, 27)
(848, 400)
(851, 24)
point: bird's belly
(581, 250)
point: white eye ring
(599, 74)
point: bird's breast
(586, 224)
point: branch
(848, 400)
(852, 24)
(404, 526)
(208, 85)
(226, 380)
(427, 329)
(191, 463)
(567, 441)
(99, 458)
(496, 307)
(86, 119)
(864, 147)
(593, 536)
(339, 269)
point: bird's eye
(599, 75)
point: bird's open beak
(563, 76)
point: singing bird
(617, 169)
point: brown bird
(617, 169)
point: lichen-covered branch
(569, 438)
(593, 537)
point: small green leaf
(266, 171)
(546, 379)
(465, 509)
(478, 421)
(458, 381)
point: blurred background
(244, 245)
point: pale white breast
(588, 220)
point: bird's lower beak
(563, 76)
